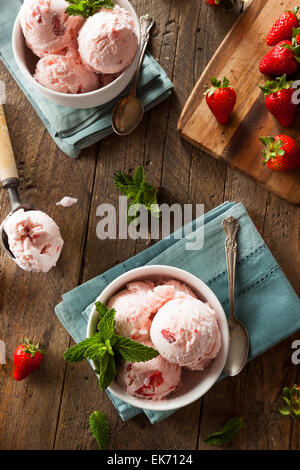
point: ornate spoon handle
(231, 226)
(146, 23)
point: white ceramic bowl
(26, 62)
(194, 383)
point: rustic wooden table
(50, 409)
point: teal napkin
(265, 301)
(76, 129)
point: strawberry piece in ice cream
(65, 74)
(107, 42)
(185, 332)
(151, 380)
(34, 239)
(46, 27)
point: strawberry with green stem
(281, 153)
(282, 29)
(220, 99)
(278, 99)
(283, 58)
(27, 358)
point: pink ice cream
(46, 26)
(34, 239)
(185, 332)
(67, 201)
(65, 74)
(152, 380)
(138, 303)
(107, 42)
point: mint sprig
(132, 351)
(106, 348)
(99, 428)
(138, 192)
(87, 8)
(291, 397)
(230, 430)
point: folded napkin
(76, 129)
(265, 301)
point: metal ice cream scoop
(238, 334)
(9, 177)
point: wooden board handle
(8, 168)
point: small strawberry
(221, 99)
(282, 30)
(282, 153)
(278, 94)
(27, 358)
(283, 58)
(214, 3)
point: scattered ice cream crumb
(67, 201)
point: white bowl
(194, 383)
(26, 62)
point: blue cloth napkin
(76, 129)
(265, 301)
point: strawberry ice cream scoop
(46, 27)
(107, 42)
(65, 74)
(133, 310)
(152, 380)
(185, 332)
(138, 303)
(34, 239)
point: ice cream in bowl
(175, 313)
(77, 61)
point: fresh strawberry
(278, 94)
(27, 358)
(214, 3)
(282, 30)
(221, 99)
(282, 153)
(283, 58)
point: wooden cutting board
(238, 143)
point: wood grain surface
(237, 143)
(50, 409)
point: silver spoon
(238, 334)
(9, 178)
(128, 112)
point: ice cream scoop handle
(146, 23)
(231, 225)
(8, 169)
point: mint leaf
(87, 8)
(229, 431)
(77, 352)
(108, 371)
(139, 175)
(101, 309)
(125, 185)
(132, 351)
(106, 326)
(138, 192)
(95, 351)
(99, 428)
(291, 397)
